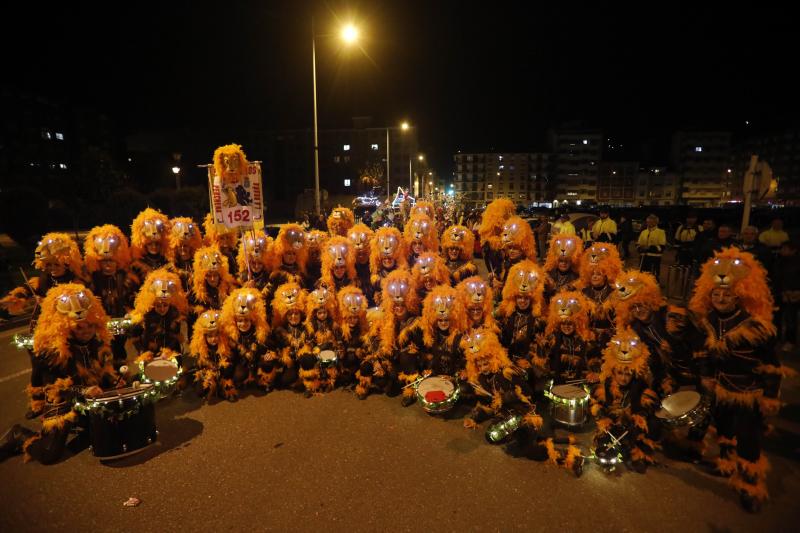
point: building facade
(702, 160)
(576, 154)
(483, 177)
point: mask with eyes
(244, 303)
(476, 291)
(564, 246)
(319, 297)
(360, 235)
(153, 229)
(352, 301)
(209, 259)
(420, 228)
(314, 239)
(106, 245)
(725, 272)
(337, 253)
(295, 237)
(208, 322)
(162, 288)
(525, 280)
(387, 244)
(426, 264)
(567, 307)
(183, 231)
(626, 347)
(510, 233)
(597, 252)
(397, 289)
(443, 305)
(75, 305)
(51, 249)
(629, 285)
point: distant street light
(404, 126)
(177, 171)
(349, 35)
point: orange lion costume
(420, 236)
(429, 271)
(340, 221)
(244, 321)
(159, 310)
(226, 239)
(458, 246)
(184, 240)
(211, 281)
(520, 310)
(478, 299)
(387, 253)
(253, 259)
(150, 232)
(211, 347)
(338, 264)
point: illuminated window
(62, 166)
(46, 134)
(346, 183)
(346, 148)
(59, 136)
(374, 146)
(586, 141)
(698, 148)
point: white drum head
(161, 370)
(679, 403)
(436, 383)
(327, 355)
(568, 392)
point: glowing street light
(404, 126)
(177, 171)
(349, 35)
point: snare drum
(685, 408)
(327, 358)
(437, 394)
(498, 433)
(162, 374)
(570, 404)
(122, 422)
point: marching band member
(599, 267)
(739, 363)
(429, 272)
(520, 312)
(71, 342)
(211, 282)
(458, 245)
(340, 221)
(289, 257)
(361, 237)
(244, 319)
(226, 239)
(150, 234)
(211, 347)
(623, 402)
(490, 231)
(315, 240)
(518, 245)
(158, 312)
(321, 334)
(387, 253)
(571, 352)
(562, 264)
(353, 313)
(107, 257)
(338, 265)
(478, 300)
(399, 311)
(253, 259)
(289, 336)
(184, 241)
(424, 207)
(420, 236)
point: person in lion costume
(211, 347)
(429, 272)
(184, 240)
(520, 312)
(387, 253)
(492, 222)
(159, 310)
(226, 239)
(253, 260)
(420, 236)
(244, 320)
(458, 245)
(289, 339)
(211, 281)
(562, 264)
(317, 373)
(338, 264)
(340, 221)
(150, 232)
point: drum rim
(143, 388)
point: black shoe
(577, 466)
(640, 466)
(750, 504)
(407, 400)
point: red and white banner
(237, 205)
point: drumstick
(479, 389)
(414, 382)
(122, 371)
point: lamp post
(348, 34)
(177, 171)
(403, 127)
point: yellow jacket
(652, 241)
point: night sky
(471, 75)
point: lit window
(374, 146)
(59, 136)
(346, 183)
(698, 148)
(586, 141)
(62, 166)
(346, 148)
(46, 134)
(336, 159)
(130, 160)
(489, 186)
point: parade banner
(239, 203)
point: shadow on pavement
(173, 434)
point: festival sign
(234, 189)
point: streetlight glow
(349, 34)
(421, 157)
(404, 126)
(176, 170)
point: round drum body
(122, 422)
(327, 358)
(437, 394)
(685, 408)
(570, 405)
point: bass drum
(122, 422)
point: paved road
(283, 462)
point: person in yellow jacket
(651, 243)
(775, 236)
(604, 229)
(562, 226)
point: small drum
(683, 409)
(327, 358)
(500, 431)
(570, 404)
(23, 341)
(122, 422)
(437, 394)
(161, 370)
(118, 326)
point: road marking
(12, 376)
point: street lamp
(404, 126)
(349, 35)
(177, 171)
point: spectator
(749, 243)
(775, 236)
(625, 236)
(787, 285)
(605, 229)
(724, 238)
(541, 232)
(563, 226)
(685, 239)
(704, 241)
(320, 222)
(651, 244)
